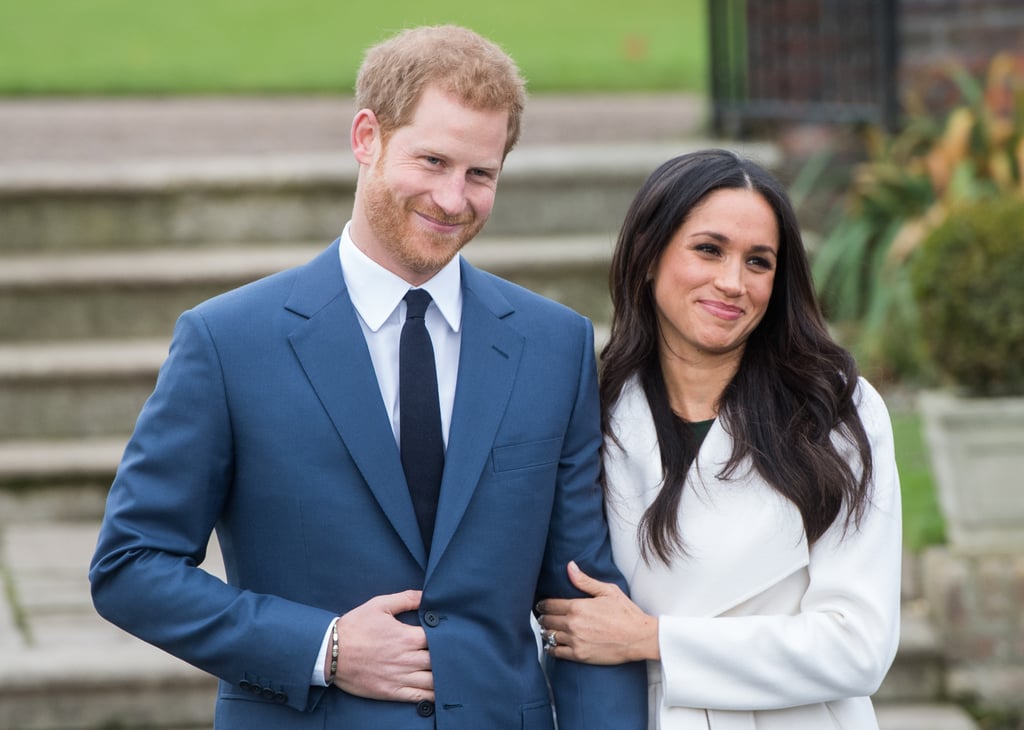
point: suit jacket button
(425, 708)
(431, 619)
(244, 684)
(280, 698)
(267, 693)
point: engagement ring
(550, 642)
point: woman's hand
(606, 628)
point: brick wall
(934, 33)
(826, 61)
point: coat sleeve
(170, 488)
(843, 635)
(587, 697)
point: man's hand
(381, 658)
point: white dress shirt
(377, 296)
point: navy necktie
(420, 427)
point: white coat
(757, 631)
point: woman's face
(713, 281)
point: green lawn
(922, 522)
(230, 46)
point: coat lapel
(741, 536)
(332, 351)
(488, 361)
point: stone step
(918, 674)
(140, 294)
(64, 667)
(930, 716)
(57, 479)
(158, 705)
(82, 337)
(130, 687)
(545, 189)
(51, 637)
(85, 389)
(93, 330)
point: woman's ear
(652, 270)
(365, 137)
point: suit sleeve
(587, 697)
(146, 575)
(841, 640)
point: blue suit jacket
(267, 425)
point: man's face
(428, 188)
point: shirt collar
(376, 292)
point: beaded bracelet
(334, 653)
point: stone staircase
(97, 261)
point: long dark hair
(794, 386)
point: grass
(269, 46)
(10, 595)
(922, 522)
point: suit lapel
(739, 527)
(332, 352)
(488, 361)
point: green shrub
(968, 281)
(904, 190)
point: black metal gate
(831, 61)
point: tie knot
(417, 301)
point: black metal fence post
(831, 61)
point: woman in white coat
(749, 474)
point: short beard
(389, 221)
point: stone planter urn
(977, 455)
(968, 279)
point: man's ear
(366, 137)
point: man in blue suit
(356, 597)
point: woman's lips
(721, 309)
